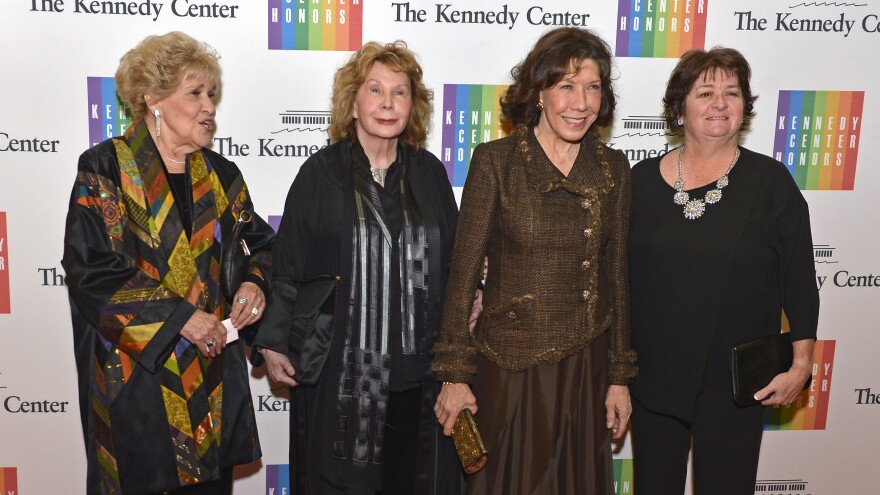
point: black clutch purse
(755, 363)
(312, 328)
(235, 257)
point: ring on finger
(255, 311)
(242, 300)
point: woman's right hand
(452, 399)
(206, 332)
(279, 367)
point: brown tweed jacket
(557, 259)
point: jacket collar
(542, 175)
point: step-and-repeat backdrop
(814, 70)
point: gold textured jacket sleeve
(622, 357)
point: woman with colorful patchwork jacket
(164, 396)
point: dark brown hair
(549, 61)
(697, 64)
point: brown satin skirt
(545, 427)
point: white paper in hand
(231, 332)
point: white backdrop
(275, 101)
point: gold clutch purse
(468, 443)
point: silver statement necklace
(694, 208)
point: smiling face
(572, 105)
(714, 107)
(382, 104)
(188, 115)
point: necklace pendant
(379, 174)
(722, 182)
(694, 209)
(681, 198)
(713, 196)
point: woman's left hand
(618, 410)
(786, 387)
(247, 305)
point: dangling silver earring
(680, 121)
(157, 114)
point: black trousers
(401, 443)
(726, 444)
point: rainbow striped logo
(5, 307)
(817, 137)
(660, 28)
(107, 117)
(8, 481)
(810, 410)
(331, 25)
(278, 479)
(471, 115)
(623, 477)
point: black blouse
(700, 286)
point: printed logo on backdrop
(471, 115)
(274, 221)
(5, 306)
(660, 28)
(107, 116)
(8, 481)
(499, 15)
(824, 254)
(19, 144)
(835, 276)
(810, 410)
(332, 25)
(297, 134)
(642, 136)
(781, 487)
(13, 403)
(832, 18)
(623, 477)
(151, 9)
(278, 479)
(50, 277)
(817, 137)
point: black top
(180, 188)
(700, 286)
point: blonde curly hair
(158, 64)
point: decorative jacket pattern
(156, 414)
(557, 259)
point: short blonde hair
(397, 57)
(158, 64)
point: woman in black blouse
(375, 212)
(707, 271)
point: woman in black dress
(708, 271)
(375, 212)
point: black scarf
(374, 319)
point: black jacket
(315, 241)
